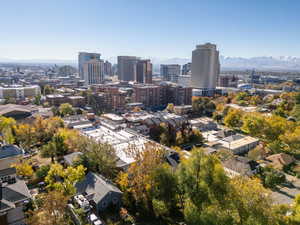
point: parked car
(82, 202)
(93, 219)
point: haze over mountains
(285, 63)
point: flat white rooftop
(124, 142)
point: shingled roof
(96, 186)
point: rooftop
(95, 185)
(9, 151)
(120, 140)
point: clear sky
(58, 29)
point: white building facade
(93, 72)
(205, 67)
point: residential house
(240, 166)
(278, 161)
(9, 154)
(100, 192)
(13, 195)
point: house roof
(7, 171)
(13, 193)
(241, 165)
(95, 185)
(9, 151)
(4, 109)
(281, 158)
(70, 158)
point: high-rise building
(107, 69)
(179, 95)
(186, 68)
(127, 68)
(84, 57)
(205, 67)
(149, 95)
(228, 80)
(184, 80)
(93, 72)
(170, 72)
(144, 71)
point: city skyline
(163, 30)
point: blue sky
(58, 29)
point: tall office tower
(170, 72)
(205, 68)
(186, 68)
(107, 69)
(84, 57)
(93, 71)
(127, 68)
(144, 71)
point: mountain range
(282, 63)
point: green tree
(170, 107)
(55, 148)
(42, 172)
(137, 183)
(66, 109)
(252, 203)
(271, 177)
(291, 140)
(276, 126)
(47, 90)
(165, 192)
(7, 128)
(203, 106)
(37, 100)
(63, 180)
(233, 118)
(24, 169)
(196, 137)
(179, 138)
(253, 124)
(99, 157)
(164, 139)
(295, 217)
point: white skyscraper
(84, 57)
(205, 67)
(93, 71)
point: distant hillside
(261, 63)
(285, 63)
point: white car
(97, 222)
(82, 202)
(94, 219)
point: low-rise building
(76, 101)
(239, 144)
(18, 112)
(19, 92)
(182, 109)
(56, 99)
(203, 124)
